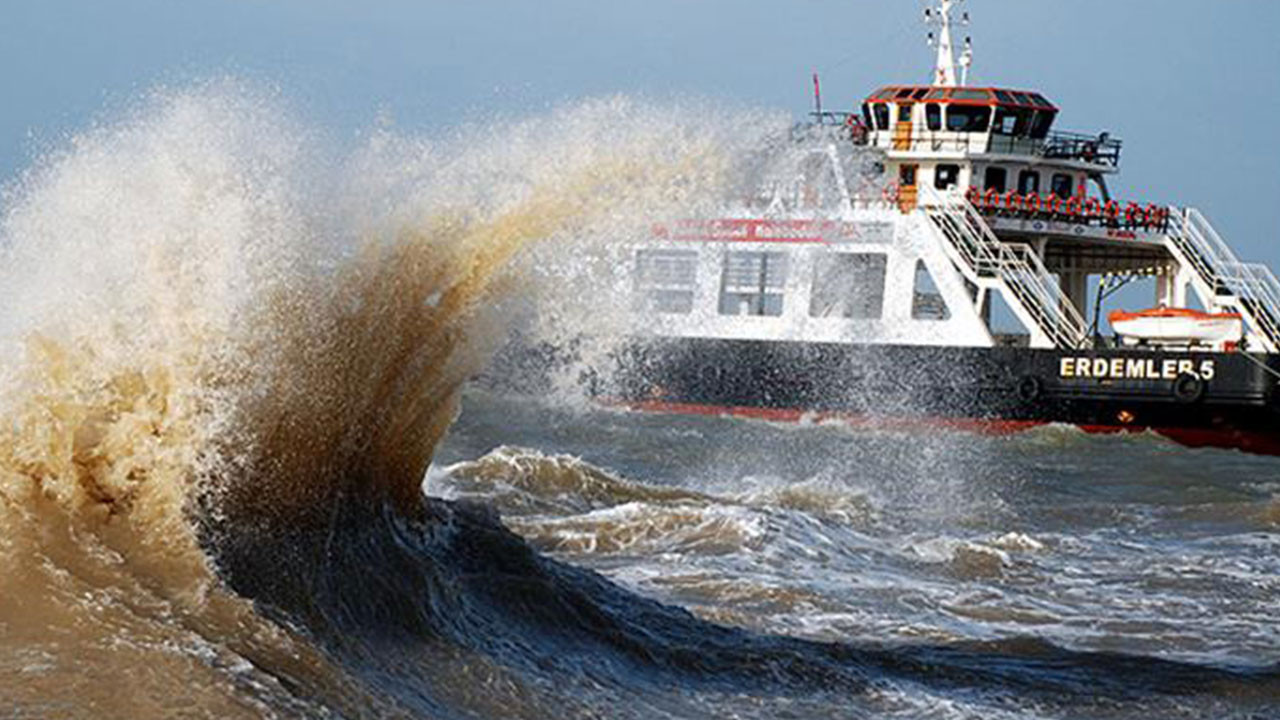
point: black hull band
(1220, 399)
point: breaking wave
(229, 356)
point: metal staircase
(1247, 288)
(1014, 268)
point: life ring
(1151, 217)
(1052, 204)
(1131, 214)
(1092, 208)
(1013, 201)
(975, 197)
(1188, 389)
(992, 199)
(1074, 206)
(890, 193)
(1033, 202)
(1029, 388)
(1155, 217)
(1112, 210)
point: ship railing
(844, 125)
(1017, 266)
(1101, 150)
(1252, 288)
(1076, 210)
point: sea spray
(222, 336)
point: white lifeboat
(1178, 326)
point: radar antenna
(941, 17)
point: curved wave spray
(220, 335)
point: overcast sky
(1191, 87)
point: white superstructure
(901, 223)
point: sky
(1193, 88)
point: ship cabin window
(849, 285)
(968, 118)
(926, 302)
(753, 283)
(1028, 182)
(1063, 185)
(907, 176)
(997, 178)
(933, 116)
(1013, 121)
(946, 176)
(1040, 126)
(881, 111)
(665, 280)
(904, 112)
(866, 116)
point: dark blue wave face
(715, 568)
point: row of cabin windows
(947, 176)
(1007, 97)
(1060, 184)
(1009, 121)
(845, 285)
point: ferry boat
(859, 282)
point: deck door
(908, 189)
(903, 128)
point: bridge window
(665, 280)
(849, 285)
(1028, 182)
(997, 178)
(1012, 121)
(1063, 185)
(968, 118)
(904, 112)
(933, 116)
(946, 176)
(882, 115)
(926, 301)
(1040, 127)
(753, 283)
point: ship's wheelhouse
(993, 140)
(962, 119)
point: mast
(945, 72)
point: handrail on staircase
(1017, 266)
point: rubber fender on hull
(1188, 388)
(1029, 388)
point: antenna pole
(817, 96)
(945, 72)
